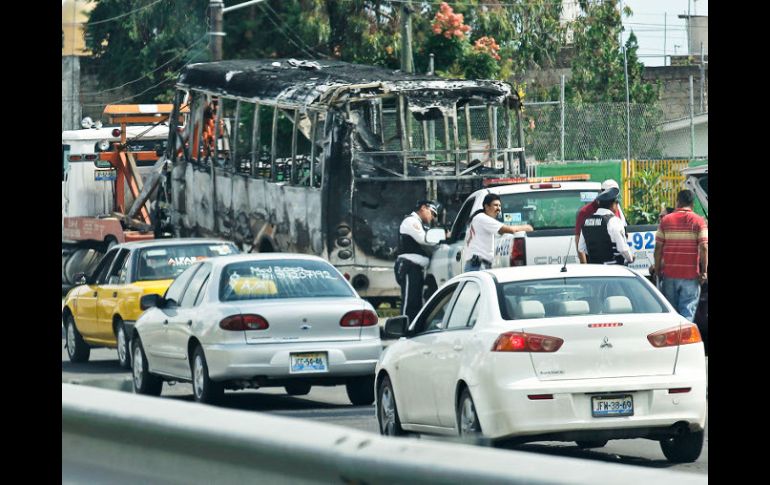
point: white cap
(608, 184)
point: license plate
(609, 406)
(308, 362)
(100, 175)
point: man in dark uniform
(603, 237)
(413, 256)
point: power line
(124, 14)
(281, 29)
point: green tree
(146, 43)
(598, 73)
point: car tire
(387, 412)
(77, 348)
(124, 347)
(204, 389)
(360, 390)
(683, 448)
(144, 382)
(297, 389)
(467, 420)
(591, 443)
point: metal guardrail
(116, 437)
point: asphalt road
(331, 405)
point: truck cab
(550, 205)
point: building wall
(675, 89)
(70, 93)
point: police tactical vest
(600, 247)
(407, 245)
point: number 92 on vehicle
(308, 362)
(611, 406)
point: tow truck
(108, 177)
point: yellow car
(102, 310)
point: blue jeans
(682, 294)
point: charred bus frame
(326, 157)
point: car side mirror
(80, 279)
(151, 300)
(395, 327)
(435, 235)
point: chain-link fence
(562, 131)
(595, 131)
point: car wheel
(683, 448)
(144, 382)
(361, 390)
(204, 389)
(77, 349)
(467, 420)
(591, 443)
(124, 353)
(387, 413)
(297, 389)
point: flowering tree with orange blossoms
(454, 54)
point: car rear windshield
(562, 297)
(276, 279)
(167, 262)
(547, 209)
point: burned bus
(327, 157)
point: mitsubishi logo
(605, 343)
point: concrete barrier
(115, 437)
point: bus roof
(306, 82)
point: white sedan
(257, 320)
(587, 353)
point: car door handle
(189, 323)
(165, 322)
(458, 256)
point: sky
(648, 22)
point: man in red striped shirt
(681, 255)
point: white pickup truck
(550, 205)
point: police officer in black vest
(603, 238)
(413, 256)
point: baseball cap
(431, 205)
(608, 184)
(610, 194)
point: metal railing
(116, 437)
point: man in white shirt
(603, 236)
(413, 256)
(480, 238)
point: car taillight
(518, 256)
(359, 318)
(685, 334)
(243, 322)
(526, 342)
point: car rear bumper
(249, 361)
(507, 411)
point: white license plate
(100, 175)
(308, 362)
(609, 406)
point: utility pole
(406, 37)
(216, 9)
(628, 105)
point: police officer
(413, 256)
(603, 237)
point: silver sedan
(257, 320)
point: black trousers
(410, 278)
